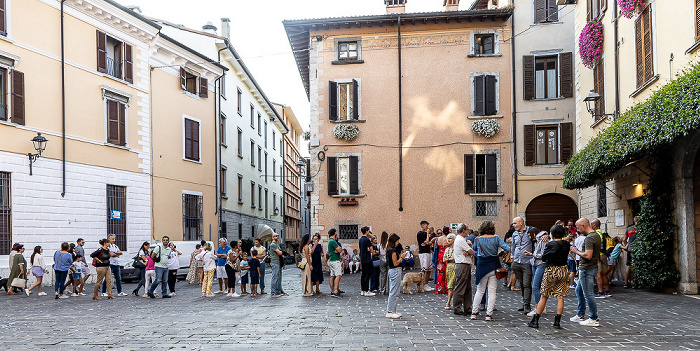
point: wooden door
(545, 210)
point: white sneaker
(144, 295)
(63, 296)
(590, 323)
(104, 295)
(210, 295)
(26, 291)
(82, 294)
(172, 294)
(362, 293)
(576, 319)
(75, 295)
(228, 295)
(392, 315)
(427, 288)
(41, 294)
(532, 313)
(235, 295)
(219, 292)
(369, 293)
(122, 294)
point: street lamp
(590, 100)
(39, 145)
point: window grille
(116, 214)
(192, 220)
(348, 232)
(5, 214)
(486, 208)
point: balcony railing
(114, 68)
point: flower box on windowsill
(347, 202)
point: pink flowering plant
(630, 8)
(590, 43)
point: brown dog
(409, 279)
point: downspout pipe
(400, 125)
(217, 118)
(514, 112)
(617, 60)
(63, 105)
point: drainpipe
(617, 62)
(63, 106)
(217, 118)
(400, 131)
(514, 117)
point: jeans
(407, 263)
(374, 279)
(537, 274)
(262, 275)
(383, 276)
(434, 260)
(490, 280)
(117, 271)
(366, 272)
(60, 285)
(523, 271)
(162, 279)
(585, 293)
(462, 295)
(394, 282)
(142, 282)
(276, 280)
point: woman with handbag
(232, 266)
(140, 261)
(100, 259)
(486, 252)
(18, 272)
(316, 251)
(307, 287)
(62, 260)
(38, 269)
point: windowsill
(484, 117)
(240, 114)
(193, 161)
(351, 121)
(224, 197)
(224, 145)
(5, 38)
(114, 78)
(546, 23)
(240, 202)
(485, 194)
(693, 48)
(252, 206)
(194, 96)
(347, 196)
(548, 99)
(240, 156)
(549, 165)
(484, 55)
(123, 147)
(645, 85)
(347, 62)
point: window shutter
(567, 142)
(18, 97)
(491, 171)
(3, 13)
(355, 100)
(354, 175)
(566, 86)
(589, 6)
(479, 96)
(468, 173)
(332, 176)
(121, 111)
(648, 52)
(540, 10)
(195, 140)
(553, 11)
(101, 52)
(599, 87)
(203, 87)
(113, 122)
(528, 77)
(188, 139)
(490, 95)
(128, 63)
(638, 43)
(697, 20)
(529, 148)
(183, 79)
(333, 101)
(603, 6)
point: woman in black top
(394, 256)
(555, 282)
(101, 262)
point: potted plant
(630, 8)
(346, 131)
(590, 43)
(485, 127)
(347, 202)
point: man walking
(276, 255)
(587, 270)
(221, 275)
(424, 252)
(114, 266)
(160, 255)
(334, 263)
(521, 251)
(462, 296)
(366, 260)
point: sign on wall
(454, 226)
(620, 218)
(115, 214)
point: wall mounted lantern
(590, 100)
(39, 145)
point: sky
(258, 35)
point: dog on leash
(3, 284)
(409, 279)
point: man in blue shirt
(366, 260)
(222, 253)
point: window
(223, 230)
(239, 100)
(644, 46)
(265, 133)
(602, 201)
(3, 93)
(3, 31)
(547, 145)
(259, 158)
(260, 207)
(5, 214)
(259, 125)
(480, 173)
(596, 8)
(223, 181)
(222, 89)
(347, 50)
(193, 84)
(343, 175)
(265, 167)
(240, 143)
(274, 170)
(599, 87)
(16, 93)
(281, 176)
(546, 11)
(697, 20)
(266, 204)
(548, 77)
(116, 214)
(222, 129)
(483, 44)
(484, 94)
(240, 188)
(550, 144)
(344, 100)
(282, 147)
(240, 231)
(252, 194)
(252, 153)
(274, 202)
(274, 142)
(191, 140)
(252, 116)
(192, 220)
(114, 57)
(486, 209)
(348, 232)
(116, 122)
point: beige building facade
(292, 180)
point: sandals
(448, 308)
(488, 318)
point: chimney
(209, 28)
(450, 5)
(395, 6)
(226, 28)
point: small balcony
(114, 68)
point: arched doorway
(545, 210)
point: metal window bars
(116, 214)
(192, 219)
(5, 214)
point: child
(244, 273)
(614, 256)
(254, 268)
(76, 273)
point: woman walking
(232, 266)
(393, 259)
(62, 260)
(486, 250)
(209, 260)
(316, 252)
(38, 269)
(141, 257)
(383, 266)
(306, 285)
(101, 262)
(173, 266)
(555, 282)
(441, 266)
(18, 269)
(449, 259)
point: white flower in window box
(346, 131)
(485, 127)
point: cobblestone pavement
(630, 320)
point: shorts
(255, 280)
(37, 271)
(77, 276)
(425, 261)
(336, 268)
(244, 279)
(629, 259)
(221, 272)
(603, 264)
(572, 265)
(612, 261)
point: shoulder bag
(302, 263)
(157, 258)
(235, 264)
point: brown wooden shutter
(355, 100)
(183, 79)
(648, 51)
(491, 172)
(529, 144)
(589, 9)
(567, 142)
(490, 95)
(638, 44)
(354, 175)
(128, 63)
(3, 21)
(697, 20)
(332, 176)
(528, 77)
(552, 11)
(121, 110)
(603, 6)
(599, 87)
(333, 101)
(540, 10)
(18, 97)
(113, 122)
(195, 140)
(566, 63)
(479, 96)
(468, 173)
(188, 139)
(101, 52)
(203, 87)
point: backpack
(606, 243)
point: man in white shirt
(114, 266)
(462, 296)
